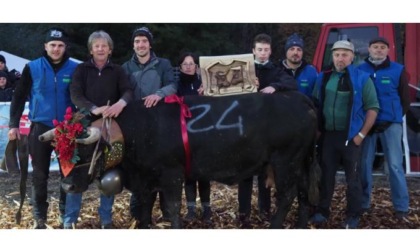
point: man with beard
(152, 79)
(347, 107)
(294, 64)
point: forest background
(170, 39)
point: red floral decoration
(66, 133)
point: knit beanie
(294, 40)
(3, 74)
(143, 31)
(56, 34)
(2, 59)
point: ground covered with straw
(223, 202)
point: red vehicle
(404, 47)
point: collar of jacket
(385, 64)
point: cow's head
(78, 179)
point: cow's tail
(314, 177)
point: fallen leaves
(223, 202)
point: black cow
(230, 138)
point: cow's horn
(93, 135)
(47, 136)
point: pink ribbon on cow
(185, 113)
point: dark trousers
(41, 156)
(336, 153)
(245, 193)
(190, 188)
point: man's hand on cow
(151, 100)
(200, 91)
(13, 134)
(256, 82)
(268, 90)
(99, 110)
(115, 109)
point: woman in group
(95, 82)
(189, 83)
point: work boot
(190, 216)
(207, 215)
(39, 224)
(351, 222)
(318, 219)
(107, 226)
(70, 226)
(401, 215)
(61, 221)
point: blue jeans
(74, 204)
(391, 141)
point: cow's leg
(304, 207)
(171, 185)
(284, 198)
(173, 204)
(285, 165)
(147, 199)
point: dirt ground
(224, 205)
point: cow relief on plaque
(228, 75)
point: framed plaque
(228, 75)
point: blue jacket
(387, 82)
(356, 79)
(50, 95)
(305, 75)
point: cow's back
(236, 135)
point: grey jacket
(154, 77)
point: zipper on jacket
(56, 100)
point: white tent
(18, 63)
(14, 62)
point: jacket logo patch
(385, 80)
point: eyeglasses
(188, 65)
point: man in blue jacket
(305, 74)
(391, 84)
(347, 108)
(45, 82)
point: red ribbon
(185, 113)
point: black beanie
(56, 34)
(143, 31)
(294, 40)
(3, 74)
(2, 59)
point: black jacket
(272, 75)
